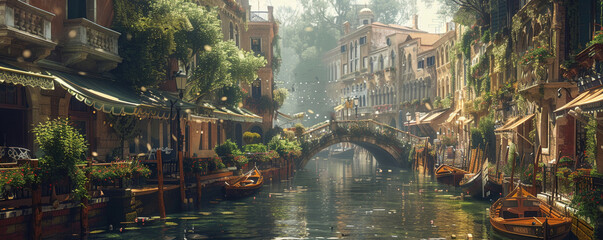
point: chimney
(447, 27)
(346, 27)
(415, 21)
(270, 16)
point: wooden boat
(449, 175)
(245, 185)
(520, 215)
(493, 189)
(472, 184)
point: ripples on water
(332, 199)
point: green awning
(103, 94)
(157, 103)
(234, 114)
(14, 75)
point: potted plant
(537, 56)
(215, 163)
(63, 147)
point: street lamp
(356, 106)
(180, 85)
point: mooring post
(182, 186)
(36, 199)
(512, 174)
(84, 226)
(160, 185)
(198, 179)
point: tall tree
(220, 66)
(392, 11)
(479, 10)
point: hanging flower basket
(538, 55)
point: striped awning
(100, 93)
(513, 123)
(111, 96)
(14, 75)
(452, 115)
(589, 100)
(234, 114)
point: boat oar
(538, 220)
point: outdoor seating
(12, 154)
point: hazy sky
(428, 17)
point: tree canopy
(221, 66)
(153, 31)
(392, 11)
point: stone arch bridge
(389, 145)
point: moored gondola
(449, 175)
(520, 215)
(246, 185)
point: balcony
(88, 46)
(25, 31)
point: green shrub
(299, 130)
(251, 137)
(215, 163)
(63, 148)
(289, 135)
(228, 151)
(255, 148)
(285, 148)
(476, 138)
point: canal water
(331, 198)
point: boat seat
(530, 214)
(508, 214)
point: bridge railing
(329, 127)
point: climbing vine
(478, 74)
(591, 142)
(469, 37)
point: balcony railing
(98, 43)
(24, 23)
(26, 18)
(86, 32)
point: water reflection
(333, 198)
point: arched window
(219, 133)
(438, 58)
(371, 64)
(231, 31)
(237, 35)
(529, 36)
(409, 61)
(209, 136)
(387, 97)
(393, 58)
(356, 55)
(380, 62)
(256, 89)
